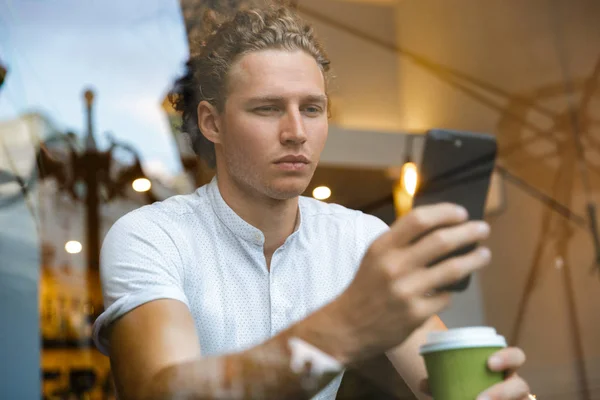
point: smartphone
(456, 167)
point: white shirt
(194, 248)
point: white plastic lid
(461, 338)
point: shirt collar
(234, 222)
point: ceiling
(528, 72)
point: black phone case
(456, 167)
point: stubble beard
(251, 182)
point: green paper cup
(456, 362)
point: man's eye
(266, 109)
(312, 110)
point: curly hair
(274, 27)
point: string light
(321, 193)
(410, 178)
(141, 185)
(73, 247)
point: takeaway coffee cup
(456, 362)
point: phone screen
(456, 167)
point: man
(246, 290)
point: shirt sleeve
(139, 262)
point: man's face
(274, 124)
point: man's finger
(448, 272)
(426, 307)
(446, 240)
(508, 359)
(514, 388)
(422, 220)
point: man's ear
(209, 122)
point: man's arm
(147, 340)
(407, 360)
(155, 354)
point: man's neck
(276, 219)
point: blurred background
(87, 134)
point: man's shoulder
(157, 225)
(181, 205)
(171, 210)
(317, 211)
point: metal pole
(3, 73)
(90, 165)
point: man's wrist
(305, 355)
(327, 330)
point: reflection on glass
(141, 185)
(73, 247)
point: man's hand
(394, 292)
(514, 387)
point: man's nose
(292, 128)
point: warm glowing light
(321, 193)
(73, 247)
(410, 178)
(141, 185)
